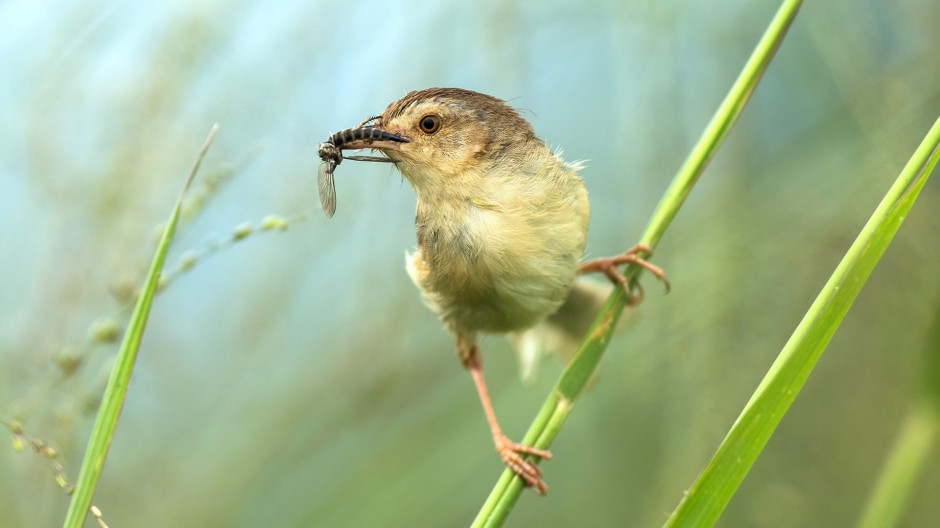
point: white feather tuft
(575, 165)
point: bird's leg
(610, 266)
(511, 452)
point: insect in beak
(331, 155)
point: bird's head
(450, 134)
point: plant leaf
(714, 488)
(115, 392)
(555, 410)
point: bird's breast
(490, 266)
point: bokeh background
(295, 379)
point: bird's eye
(430, 124)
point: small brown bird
(501, 222)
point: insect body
(331, 155)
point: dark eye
(430, 124)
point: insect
(331, 155)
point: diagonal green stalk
(555, 410)
(904, 464)
(713, 489)
(914, 443)
(115, 392)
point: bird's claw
(512, 455)
(610, 267)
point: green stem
(918, 435)
(721, 123)
(711, 492)
(902, 467)
(557, 407)
(116, 391)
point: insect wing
(327, 188)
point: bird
(501, 221)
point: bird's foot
(512, 455)
(610, 267)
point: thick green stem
(559, 403)
(116, 391)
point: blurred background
(294, 378)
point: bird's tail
(562, 332)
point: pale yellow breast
(504, 257)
